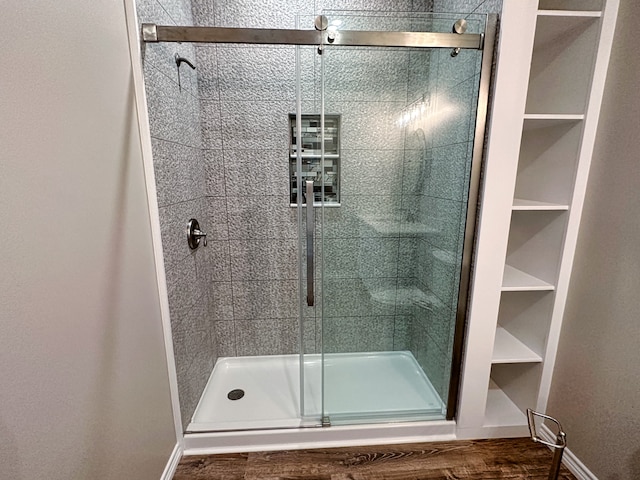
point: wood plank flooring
(476, 459)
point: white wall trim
(172, 464)
(152, 203)
(513, 65)
(569, 459)
(499, 431)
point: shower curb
(328, 437)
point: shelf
(578, 6)
(569, 13)
(564, 85)
(508, 349)
(534, 248)
(500, 410)
(548, 158)
(521, 204)
(515, 280)
(562, 64)
(551, 118)
(527, 316)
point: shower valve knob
(201, 234)
(194, 234)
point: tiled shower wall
(477, 6)
(246, 94)
(220, 153)
(367, 278)
(174, 113)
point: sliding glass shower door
(338, 187)
(387, 141)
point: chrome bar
(554, 471)
(534, 434)
(166, 33)
(472, 210)
(357, 38)
(558, 446)
(310, 227)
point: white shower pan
(361, 391)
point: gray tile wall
(362, 246)
(246, 94)
(184, 176)
(466, 6)
(220, 150)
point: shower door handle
(310, 227)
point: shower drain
(236, 394)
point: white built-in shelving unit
(553, 57)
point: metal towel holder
(558, 446)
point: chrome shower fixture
(194, 234)
(179, 61)
(460, 27)
(558, 446)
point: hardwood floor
(477, 459)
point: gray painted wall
(85, 392)
(596, 383)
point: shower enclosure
(338, 165)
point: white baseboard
(172, 464)
(569, 459)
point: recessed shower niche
(325, 179)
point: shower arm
(179, 61)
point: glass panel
(392, 250)
(307, 157)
